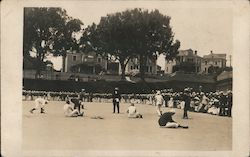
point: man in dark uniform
(223, 104)
(116, 100)
(229, 104)
(82, 95)
(166, 120)
(77, 104)
(187, 100)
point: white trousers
(74, 113)
(158, 109)
(39, 105)
(171, 125)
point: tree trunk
(123, 66)
(142, 67)
(38, 69)
(38, 66)
(63, 65)
(39, 58)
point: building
(133, 66)
(213, 60)
(93, 63)
(169, 64)
(90, 62)
(184, 57)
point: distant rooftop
(188, 52)
(215, 55)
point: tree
(110, 39)
(151, 35)
(48, 31)
(67, 41)
(133, 33)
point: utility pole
(230, 60)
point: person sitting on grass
(69, 111)
(132, 112)
(166, 121)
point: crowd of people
(216, 103)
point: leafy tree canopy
(48, 31)
(132, 33)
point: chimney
(211, 52)
(195, 52)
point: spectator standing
(229, 103)
(223, 104)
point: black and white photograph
(125, 78)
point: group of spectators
(216, 103)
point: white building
(91, 63)
(169, 64)
(133, 66)
(184, 56)
(215, 60)
(87, 62)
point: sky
(201, 26)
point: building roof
(188, 53)
(216, 56)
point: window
(131, 67)
(215, 63)
(205, 63)
(99, 60)
(167, 69)
(146, 68)
(136, 60)
(190, 60)
(74, 58)
(150, 69)
(205, 69)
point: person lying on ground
(166, 120)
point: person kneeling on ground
(132, 112)
(69, 111)
(166, 120)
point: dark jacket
(165, 118)
(76, 103)
(116, 95)
(187, 100)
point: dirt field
(53, 131)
